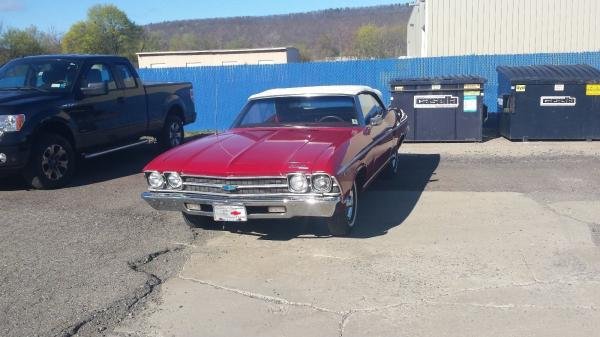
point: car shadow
(386, 204)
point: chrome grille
(243, 186)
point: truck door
(96, 115)
(131, 102)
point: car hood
(21, 97)
(259, 152)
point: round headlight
(156, 180)
(298, 183)
(322, 183)
(174, 180)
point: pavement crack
(343, 321)
(128, 303)
(531, 272)
(261, 297)
(511, 306)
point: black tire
(391, 169)
(199, 221)
(345, 218)
(52, 163)
(172, 134)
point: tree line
(108, 30)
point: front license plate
(230, 213)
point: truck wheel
(199, 221)
(172, 133)
(391, 169)
(345, 216)
(52, 163)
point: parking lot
(492, 239)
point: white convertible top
(317, 91)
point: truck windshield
(52, 75)
(292, 111)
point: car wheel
(344, 219)
(52, 163)
(391, 169)
(172, 133)
(199, 221)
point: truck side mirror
(95, 89)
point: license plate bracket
(230, 213)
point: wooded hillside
(347, 32)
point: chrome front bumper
(257, 207)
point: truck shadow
(385, 205)
(97, 170)
(92, 171)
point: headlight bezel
(159, 178)
(328, 186)
(179, 182)
(302, 178)
(11, 123)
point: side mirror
(95, 89)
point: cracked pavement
(68, 256)
(484, 242)
(470, 240)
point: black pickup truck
(55, 109)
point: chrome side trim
(368, 182)
(124, 147)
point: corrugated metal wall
(220, 92)
(478, 27)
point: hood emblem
(229, 188)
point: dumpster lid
(549, 74)
(439, 80)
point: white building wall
(465, 27)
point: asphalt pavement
(473, 237)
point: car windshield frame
(41, 74)
(316, 104)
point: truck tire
(172, 133)
(52, 163)
(345, 217)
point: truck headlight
(156, 180)
(298, 183)
(11, 123)
(322, 183)
(174, 180)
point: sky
(61, 14)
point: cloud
(11, 5)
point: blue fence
(220, 92)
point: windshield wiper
(29, 88)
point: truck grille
(235, 186)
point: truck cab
(55, 108)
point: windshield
(45, 75)
(292, 111)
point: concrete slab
(460, 264)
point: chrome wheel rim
(55, 162)
(350, 204)
(175, 134)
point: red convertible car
(296, 152)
